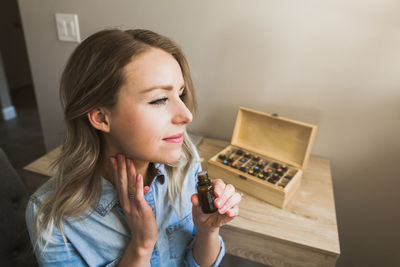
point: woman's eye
(163, 100)
(182, 96)
(159, 101)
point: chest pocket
(179, 236)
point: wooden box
(275, 151)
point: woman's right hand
(140, 216)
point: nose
(181, 114)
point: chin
(171, 157)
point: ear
(99, 119)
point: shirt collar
(109, 196)
(159, 173)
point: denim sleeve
(57, 252)
(114, 263)
(189, 260)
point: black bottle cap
(203, 178)
(222, 156)
(275, 165)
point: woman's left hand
(227, 201)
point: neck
(141, 167)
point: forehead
(151, 68)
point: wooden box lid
(275, 137)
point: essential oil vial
(205, 191)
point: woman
(125, 190)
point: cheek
(148, 128)
(138, 133)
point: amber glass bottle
(205, 190)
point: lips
(178, 138)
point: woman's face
(148, 121)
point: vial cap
(203, 177)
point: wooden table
(304, 233)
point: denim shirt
(101, 238)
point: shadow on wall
(370, 227)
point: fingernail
(224, 208)
(219, 202)
(219, 192)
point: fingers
(230, 203)
(114, 166)
(120, 179)
(195, 199)
(219, 186)
(139, 188)
(227, 200)
(132, 179)
(126, 181)
(233, 211)
(228, 191)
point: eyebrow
(162, 87)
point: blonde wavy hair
(92, 78)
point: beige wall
(335, 64)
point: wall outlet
(68, 27)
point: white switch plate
(68, 27)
